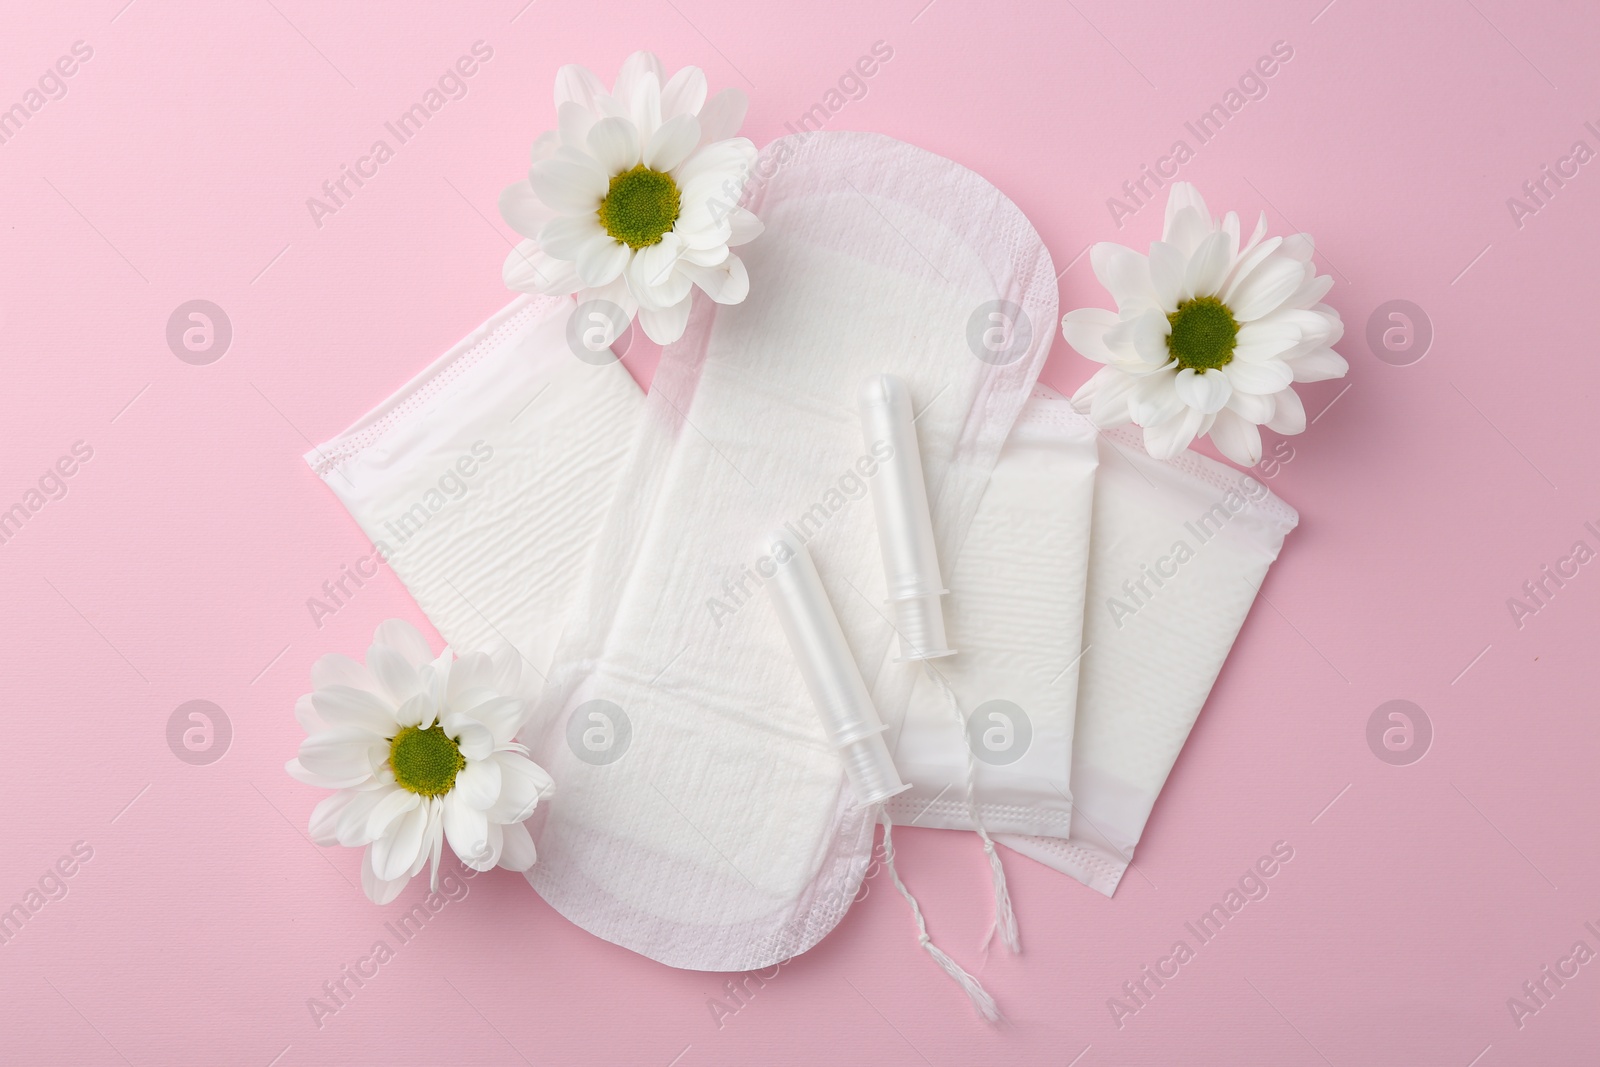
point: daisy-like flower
(421, 749)
(1208, 336)
(633, 198)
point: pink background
(178, 565)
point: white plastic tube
(830, 672)
(905, 527)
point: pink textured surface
(178, 563)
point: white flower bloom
(633, 198)
(421, 749)
(1207, 336)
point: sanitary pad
(1178, 550)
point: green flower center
(1203, 334)
(640, 207)
(425, 761)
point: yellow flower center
(641, 206)
(1203, 334)
(425, 761)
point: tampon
(829, 670)
(905, 527)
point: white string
(982, 1002)
(1005, 919)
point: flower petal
(728, 284)
(502, 715)
(1263, 378)
(517, 852)
(722, 116)
(1183, 195)
(1267, 287)
(573, 123)
(644, 104)
(1252, 407)
(1208, 266)
(1311, 291)
(710, 197)
(1236, 438)
(467, 830)
(651, 270)
(564, 235)
(505, 669)
(703, 224)
(601, 258)
(342, 705)
(1104, 397)
(325, 816)
(435, 842)
(529, 269)
(714, 256)
(1230, 226)
(1155, 399)
(1085, 330)
(1148, 334)
(297, 770)
(569, 185)
(744, 227)
(1166, 275)
(397, 675)
(478, 784)
(1299, 246)
(523, 783)
(1188, 228)
(1320, 327)
(630, 78)
(683, 94)
(1318, 366)
(522, 209)
(406, 639)
(1125, 274)
(1165, 440)
(1289, 414)
(727, 161)
(1206, 392)
(337, 669)
(432, 678)
(614, 143)
(473, 736)
(1247, 265)
(420, 711)
(1258, 234)
(351, 830)
(544, 146)
(305, 713)
(579, 85)
(496, 846)
(1265, 339)
(665, 325)
(342, 754)
(672, 143)
(432, 840)
(470, 674)
(618, 293)
(379, 890)
(390, 805)
(394, 853)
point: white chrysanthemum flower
(420, 749)
(1207, 336)
(633, 199)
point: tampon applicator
(829, 670)
(905, 526)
